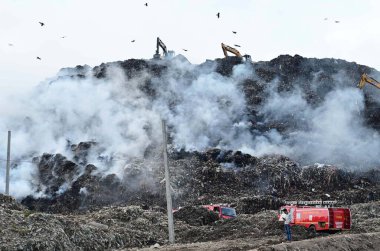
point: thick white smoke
(208, 111)
(124, 121)
(202, 109)
(332, 132)
(112, 112)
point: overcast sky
(101, 31)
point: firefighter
(287, 219)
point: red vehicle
(224, 211)
(318, 218)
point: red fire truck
(318, 215)
(224, 211)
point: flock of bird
(41, 24)
(146, 4)
(218, 15)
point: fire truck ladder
(312, 202)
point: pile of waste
(125, 227)
(253, 184)
(196, 215)
(365, 217)
(110, 227)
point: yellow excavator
(367, 79)
(167, 54)
(234, 51)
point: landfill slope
(291, 128)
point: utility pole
(8, 164)
(167, 182)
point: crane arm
(367, 79)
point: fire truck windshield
(228, 211)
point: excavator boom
(367, 79)
(234, 51)
(166, 53)
(162, 45)
(227, 48)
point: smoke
(208, 112)
(112, 112)
(202, 108)
(332, 132)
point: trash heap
(215, 176)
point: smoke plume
(202, 108)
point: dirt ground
(368, 241)
(242, 234)
(135, 228)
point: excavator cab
(170, 54)
(367, 79)
(247, 58)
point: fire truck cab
(224, 211)
(319, 217)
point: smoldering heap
(252, 135)
(231, 124)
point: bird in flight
(42, 24)
(10, 44)
(218, 15)
(325, 18)
(184, 49)
(237, 45)
(133, 41)
(336, 22)
(38, 58)
(234, 32)
(63, 37)
(146, 4)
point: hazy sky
(101, 31)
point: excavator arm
(166, 53)
(227, 48)
(162, 45)
(234, 51)
(367, 79)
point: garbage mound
(196, 215)
(365, 217)
(9, 202)
(109, 228)
(254, 184)
(109, 192)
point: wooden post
(8, 164)
(167, 181)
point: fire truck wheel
(312, 232)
